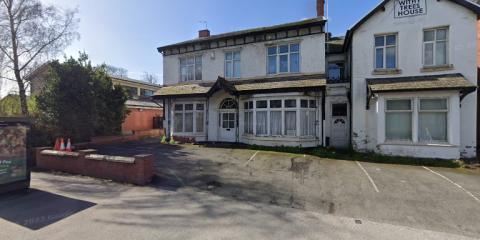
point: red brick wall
(140, 119)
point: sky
(126, 33)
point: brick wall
(140, 119)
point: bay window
(283, 58)
(432, 120)
(435, 46)
(189, 117)
(191, 68)
(277, 117)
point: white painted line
(368, 175)
(454, 183)
(251, 158)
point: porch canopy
(443, 82)
(246, 86)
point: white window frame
(384, 48)
(231, 62)
(248, 111)
(434, 42)
(411, 111)
(194, 66)
(297, 109)
(447, 111)
(278, 54)
(194, 111)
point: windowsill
(273, 138)
(439, 68)
(400, 143)
(282, 74)
(393, 71)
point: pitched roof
(421, 83)
(245, 85)
(474, 7)
(132, 103)
(285, 26)
(127, 79)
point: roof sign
(410, 8)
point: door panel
(228, 126)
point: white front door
(340, 126)
(228, 126)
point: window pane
(262, 104)
(304, 123)
(313, 104)
(228, 69)
(236, 68)
(398, 126)
(339, 110)
(198, 60)
(275, 103)
(200, 106)
(199, 123)
(246, 126)
(190, 72)
(283, 63)
(188, 106)
(190, 60)
(245, 105)
(391, 39)
(189, 122)
(276, 123)
(231, 120)
(379, 41)
(250, 105)
(433, 104)
(183, 62)
(198, 72)
(236, 56)
(304, 103)
(291, 103)
(432, 127)
(290, 123)
(283, 49)
(399, 105)
(428, 54)
(178, 119)
(391, 58)
(379, 58)
(229, 56)
(261, 123)
(429, 36)
(184, 73)
(178, 107)
(272, 50)
(272, 64)
(441, 53)
(441, 34)
(294, 62)
(294, 47)
(311, 123)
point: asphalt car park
(437, 199)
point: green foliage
(164, 139)
(351, 155)
(172, 141)
(10, 106)
(79, 101)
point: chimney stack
(320, 8)
(204, 33)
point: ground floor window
(281, 117)
(430, 117)
(189, 117)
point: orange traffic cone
(62, 145)
(69, 146)
(57, 144)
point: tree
(30, 33)
(115, 71)
(79, 101)
(151, 78)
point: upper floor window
(283, 58)
(386, 51)
(191, 68)
(336, 71)
(435, 45)
(146, 92)
(232, 64)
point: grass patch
(362, 157)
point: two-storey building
(260, 86)
(413, 76)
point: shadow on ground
(35, 209)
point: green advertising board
(13, 153)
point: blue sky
(126, 33)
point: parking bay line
(251, 158)
(454, 183)
(368, 176)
